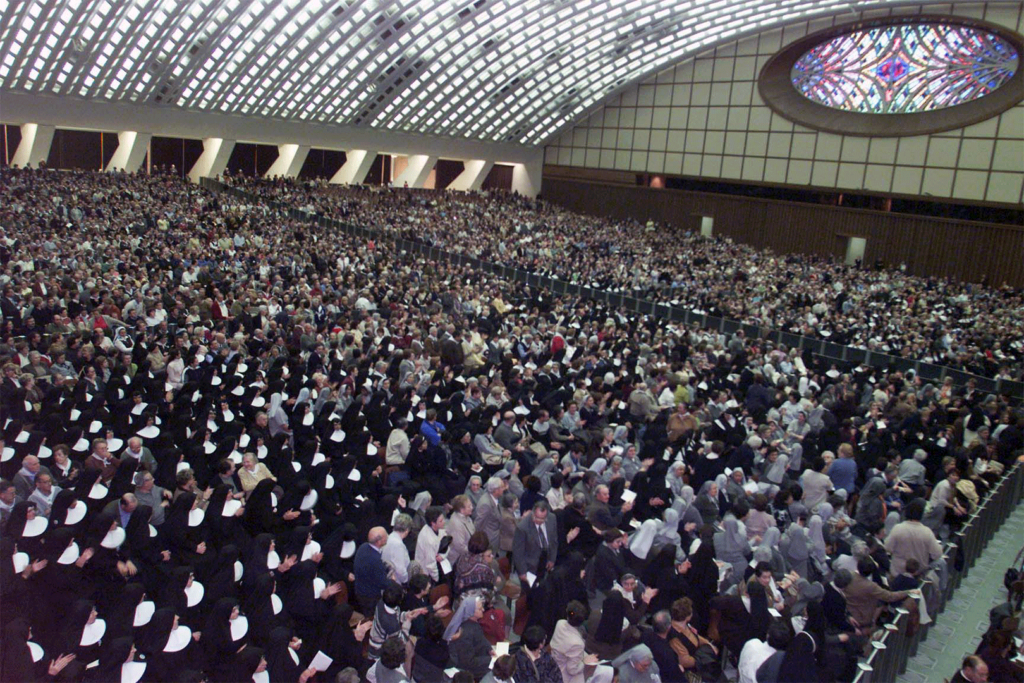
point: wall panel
(938, 247)
(705, 118)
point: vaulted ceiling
(515, 71)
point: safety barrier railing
(831, 351)
(889, 660)
(990, 514)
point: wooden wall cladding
(961, 250)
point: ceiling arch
(515, 71)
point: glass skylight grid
(501, 70)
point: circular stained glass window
(896, 77)
(905, 69)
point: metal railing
(886, 663)
(838, 353)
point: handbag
(493, 625)
(709, 666)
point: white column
(34, 146)
(290, 159)
(357, 165)
(473, 175)
(214, 159)
(131, 151)
(526, 177)
(416, 171)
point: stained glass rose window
(937, 73)
(905, 69)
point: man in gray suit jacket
(488, 513)
(535, 544)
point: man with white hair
(45, 493)
(488, 511)
(912, 470)
(371, 574)
(602, 514)
(138, 451)
(395, 553)
(643, 407)
(25, 479)
(156, 497)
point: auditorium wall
(705, 119)
(963, 250)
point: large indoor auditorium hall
(511, 341)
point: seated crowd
(974, 328)
(238, 446)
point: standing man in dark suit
(609, 564)
(602, 515)
(452, 354)
(370, 571)
(535, 544)
(973, 670)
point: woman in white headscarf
(598, 466)
(468, 646)
(818, 551)
(637, 665)
(768, 551)
(796, 548)
(417, 510)
(543, 471)
(774, 472)
(643, 539)
(838, 524)
(674, 479)
(683, 504)
(796, 432)
(721, 481)
(668, 530)
(515, 485)
(474, 489)
(706, 503)
(277, 419)
(732, 546)
(735, 486)
(465, 611)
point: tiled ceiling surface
(493, 70)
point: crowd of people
(971, 327)
(237, 445)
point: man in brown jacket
(681, 422)
(101, 459)
(865, 598)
